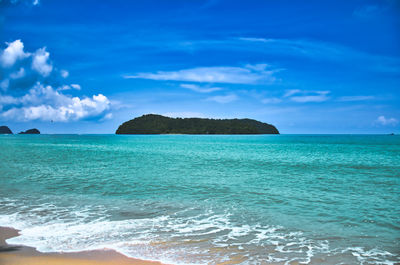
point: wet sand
(21, 255)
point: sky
(314, 67)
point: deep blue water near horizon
(202, 199)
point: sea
(206, 199)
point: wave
(178, 238)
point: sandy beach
(21, 255)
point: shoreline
(16, 254)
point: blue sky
(309, 67)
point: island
(31, 131)
(5, 130)
(158, 124)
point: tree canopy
(157, 124)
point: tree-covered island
(157, 124)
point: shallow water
(187, 199)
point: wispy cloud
(296, 95)
(305, 96)
(255, 39)
(386, 121)
(318, 50)
(301, 47)
(291, 92)
(223, 99)
(200, 89)
(305, 99)
(301, 96)
(15, 2)
(248, 74)
(356, 98)
(184, 114)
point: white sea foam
(372, 256)
(177, 238)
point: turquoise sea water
(266, 199)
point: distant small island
(5, 130)
(158, 124)
(31, 131)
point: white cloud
(305, 96)
(15, 2)
(305, 99)
(64, 73)
(249, 74)
(356, 98)
(44, 103)
(23, 96)
(291, 92)
(40, 62)
(14, 52)
(108, 116)
(5, 100)
(23, 69)
(18, 74)
(68, 87)
(184, 114)
(20, 70)
(223, 99)
(64, 87)
(255, 39)
(386, 121)
(317, 96)
(299, 96)
(76, 86)
(200, 88)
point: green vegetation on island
(5, 130)
(157, 124)
(31, 131)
